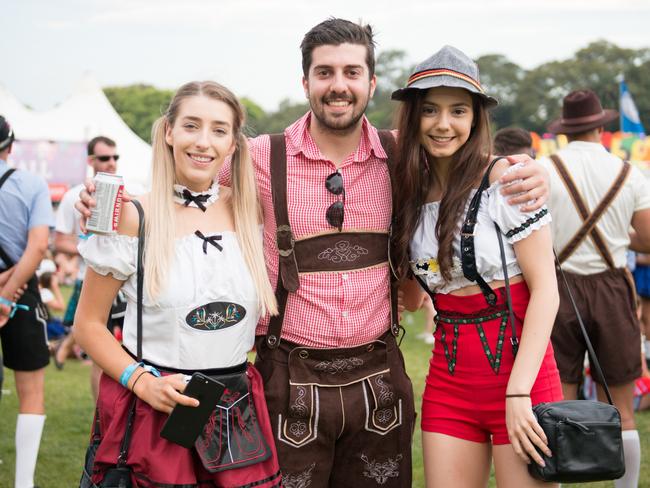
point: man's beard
(336, 125)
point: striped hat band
(444, 72)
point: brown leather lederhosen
(606, 298)
(373, 373)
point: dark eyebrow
(214, 122)
(349, 66)
(459, 104)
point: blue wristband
(152, 370)
(128, 372)
(14, 306)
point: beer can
(105, 216)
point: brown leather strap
(288, 277)
(288, 268)
(387, 140)
(589, 219)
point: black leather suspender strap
(467, 249)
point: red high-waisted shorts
(464, 397)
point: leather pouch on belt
(312, 369)
(232, 437)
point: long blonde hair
(160, 221)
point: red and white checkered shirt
(334, 309)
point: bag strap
(3, 254)
(140, 275)
(513, 339)
(592, 354)
(6, 176)
(128, 431)
(467, 248)
(589, 220)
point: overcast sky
(252, 45)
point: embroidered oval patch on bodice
(215, 316)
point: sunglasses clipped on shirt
(336, 212)
(106, 159)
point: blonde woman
(205, 287)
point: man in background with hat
(595, 197)
(25, 218)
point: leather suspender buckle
(285, 241)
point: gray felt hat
(448, 67)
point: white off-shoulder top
(514, 224)
(204, 318)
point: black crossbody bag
(584, 436)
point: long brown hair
(412, 178)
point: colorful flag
(630, 121)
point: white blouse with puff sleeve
(514, 224)
(204, 318)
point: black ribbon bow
(199, 200)
(209, 240)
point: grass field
(69, 414)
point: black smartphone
(185, 424)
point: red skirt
(472, 359)
(157, 462)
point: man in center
(340, 401)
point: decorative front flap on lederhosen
(334, 251)
(312, 369)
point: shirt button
(344, 314)
(344, 276)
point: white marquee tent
(83, 115)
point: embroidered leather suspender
(319, 253)
(589, 220)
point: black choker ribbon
(199, 200)
(209, 240)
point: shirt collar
(299, 140)
(3, 165)
(586, 146)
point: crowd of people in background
(323, 315)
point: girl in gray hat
(478, 398)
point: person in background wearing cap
(336, 333)
(479, 391)
(25, 219)
(594, 261)
(513, 140)
(102, 158)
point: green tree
(501, 78)
(392, 72)
(139, 106)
